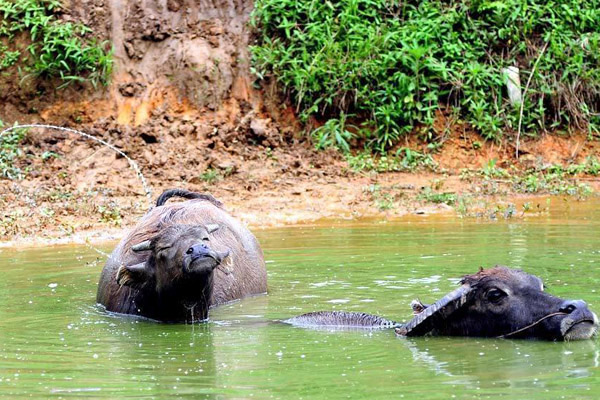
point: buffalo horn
(436, 313)
(210, 228)
(145, 245)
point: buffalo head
(179, 255)
(180, 259)
(503, 302)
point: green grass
(402, 160)
(57, 49)
(391, 66)
(553, 179)
(110, 213)
(10, 151)
(431, 196)
(210, 175)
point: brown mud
(183, 103)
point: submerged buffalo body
(498, 302)
(180, 259)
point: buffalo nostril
(571, 305)
(198, 250)
(568, 309)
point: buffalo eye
(495, 295)
(189, 251)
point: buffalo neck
(186, 301)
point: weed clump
(551, 178)
(381, 69)
(10, 153)
(403, 160)
(56, 49)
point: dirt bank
(183, 104)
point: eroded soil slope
(184, 105)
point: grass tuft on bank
(375, 70)
(11, 151)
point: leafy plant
(333, 133)
(412, 159)
(385, 202)
(554, 180)
(592, 166)
(57, 48)
(403, 160)
(430, 196)
(393, 65)
(110, 213)
(491, 171)
(10, 151)
(383, 198)
(48, 155)
(8, 58)
(210, 175)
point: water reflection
(494, 362)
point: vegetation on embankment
(376, 70)
(246, 149)
(39, 44)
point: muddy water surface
(56, 343)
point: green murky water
(55, 343)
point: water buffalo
(181, 259)
(497, 302)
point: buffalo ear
(210, 228)
(134, 276)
